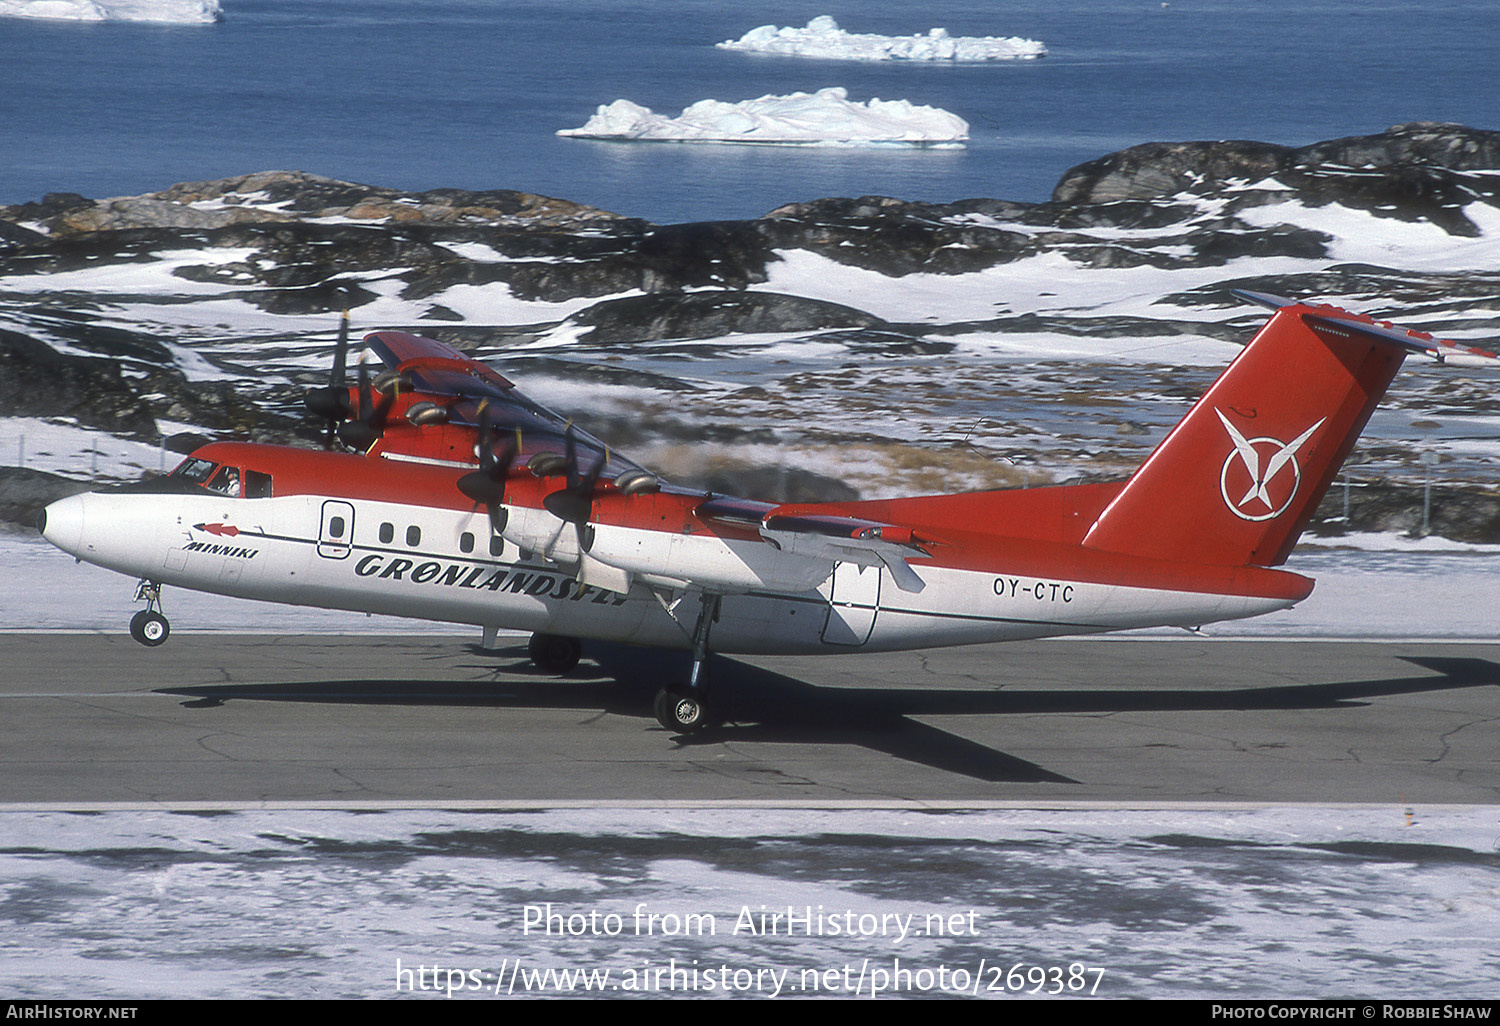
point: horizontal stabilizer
(1441, 349)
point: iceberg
(822, 39)
(176, 12)
(823, 118)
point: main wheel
(150, 628)
(553, 653)
(677, 710)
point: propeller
(366, 430)
(487, 484)
(331, 401)
(574, 502)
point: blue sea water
(468, 93)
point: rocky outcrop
(1462, 514)
(1412, 171)
(25, 492)
(312, 242)
(288, 196)
(41, 382)
(292, 243)
(712, 315)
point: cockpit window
(195, 470)
(257, 485)
(225, 482)
(252, 484)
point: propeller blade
(574, 502)
(331, 401)
(340, 353)
(570, 454)
(487, 484)
(361, 433)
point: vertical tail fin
(1236, 481)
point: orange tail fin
(1236, 481)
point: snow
(1361, 236)
(1267, 903)
(1048, 283)
(822, 39)
(823, 118)
(59, 445)
(175, 12)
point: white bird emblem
(1285, 454)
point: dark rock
(897, 238)
(1462, 514)
(1162, 169)
(41, 382)
(771, 484)
(712, 314)
(1432, 143)
(25, 492)
(1416, 169)
(185, 442)
(1220, 247)
(285, 196)
(12, 234)
(714, 254)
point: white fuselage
(437, 564)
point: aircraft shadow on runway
(757, 705)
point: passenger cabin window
(387, 532)
(336, 527)
(466, 542)
(414, 536)
(497, 545)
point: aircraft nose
(61, 523)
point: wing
(468, 393)
(468, 398)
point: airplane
(455, 498)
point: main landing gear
(553, 653)
(681, 708)
(148, 626)
(684, 708)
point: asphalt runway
(211, 719)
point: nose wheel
(148, 626)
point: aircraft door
(853, 601)
(336, 530)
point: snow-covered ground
(823, 118)
(175, 12)
(823, 39)
(1283, 903)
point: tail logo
(1260, 476)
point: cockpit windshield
(225, 480)
(195, 470)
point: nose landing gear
(148, 626)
